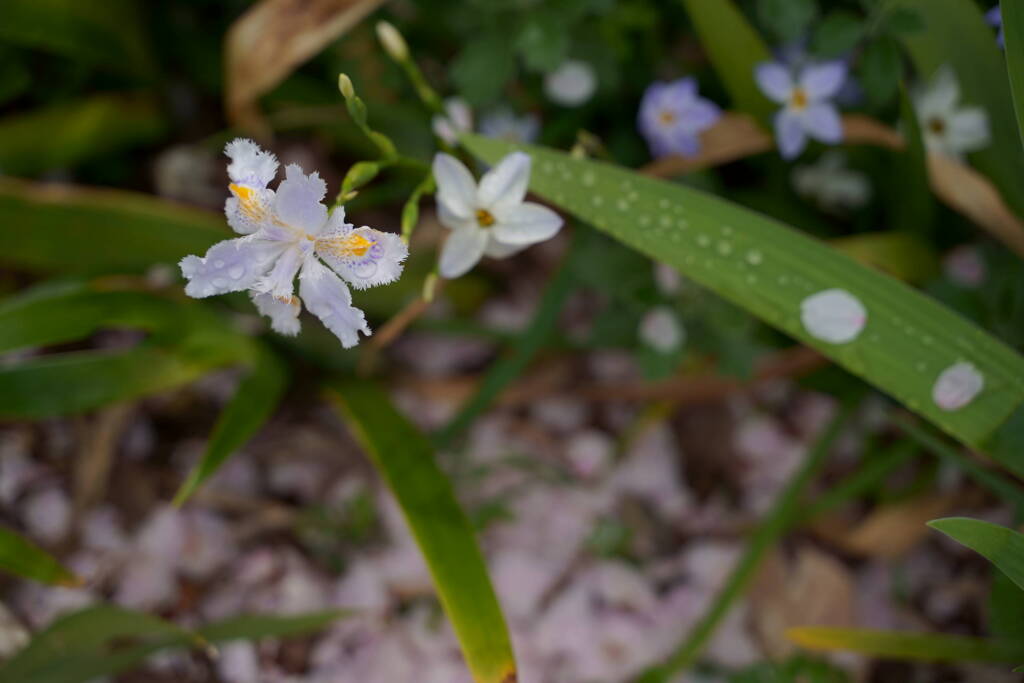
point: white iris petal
(957, 386)
(833, 315)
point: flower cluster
(289, 233)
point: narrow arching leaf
(981, 72)
(107, 33)
(60, 312)
(734, 48)
(69, 133)
(73, 229)
(1013, 27)
(907, 342)
(1001, 546)
(913, 208)
(93, 642)
(405, 460)
(775, 523)
(105, 640)
(20, 556)
(78, 382)
(932, 647)
(254, 401)
(255, 626)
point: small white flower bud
(392, 41)
(345, 86)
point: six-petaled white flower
(946, 127)
(806, 98)
(491, 218)
(287, 233)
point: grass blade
(71, 229)
(21, 557)
(932, 647)
(767, 533)
(1001, 546)
(255, 399)
(105, 640)
(734, 48)
(1013, 27)
(405, 459)
(770, 269)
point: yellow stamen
(667, 117)
(798, 99)
(248, 201)
(937, 126)
(484, 218)
(350, 245)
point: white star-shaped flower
(287, 234)
(491, 218)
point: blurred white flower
(490, 218)
(661, 329)
(964, 266)
(832, 185)
(590, 452)
(238, 662)
(503, 124)
(13, 636)
(457, 119)
(957, 386)
(946, 126)
(287, 232)
(47, 515)
(833, 315)
(667, 279)
(571, 84)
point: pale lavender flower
(946, 125)
(995, 18)
(806, 96)
(673, 115)
(289, 233)
(503, 124)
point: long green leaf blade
(405, 460)
(79, 382)
(105, 640)
(254, 400)
(1001, 546)
(734, 48)
(1013, 28)
(60, 312)
(981, 72)
(932, 647)
(21, 557)
(61, 228)
(770, 269)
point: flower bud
(345, 86)
(392, 41)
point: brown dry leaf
(92, 467)
(812, 589)
(891, 530)
(266, 43)
(959, 186)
